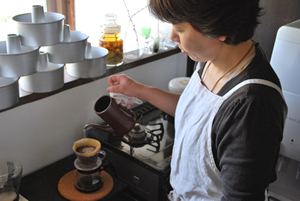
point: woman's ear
(222, 38)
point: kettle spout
(105, 128)
(86, 126)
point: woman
(230, 118)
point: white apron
(194, 175)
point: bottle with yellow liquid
(111, 40)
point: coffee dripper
(88, 164)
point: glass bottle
(156, 39)
(133, 42)
(111, 40)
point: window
(89, 16)
(12, 8)
(85, 16)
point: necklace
(202, 82)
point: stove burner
(139, 136)
(138, 131)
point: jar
(111, 40)
(10, 179)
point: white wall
(42, 132)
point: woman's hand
(163, 100)
(124, 85)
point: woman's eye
(178, 30)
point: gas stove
(141, 158)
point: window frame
(65, 7)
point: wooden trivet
(66, 187)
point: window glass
(89, 15)
(9, 9)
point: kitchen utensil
(71, 51)
(17, 60)
(9, 92)
(88, 162)
(120, 120)
(10, 179)
(94, 64)
(36, 31)
(49, 77)
(88, 176)
(87, 150)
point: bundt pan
(49, 77)
(94, 64)
(71, 50)
(39, 28)
(9, 92)
(17, 60)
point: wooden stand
(66, 187)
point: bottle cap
(110, 26)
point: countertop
(43, 184)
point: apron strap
(241, 66)
(253, 81)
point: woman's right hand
(124, 85)
(163, 100)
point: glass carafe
(88, 176)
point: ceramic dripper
(87, 150)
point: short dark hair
(235, 19)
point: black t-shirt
(247, 132)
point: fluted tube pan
(17, 60)
(38, 28)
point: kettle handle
(103, 153)
(128, 112)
